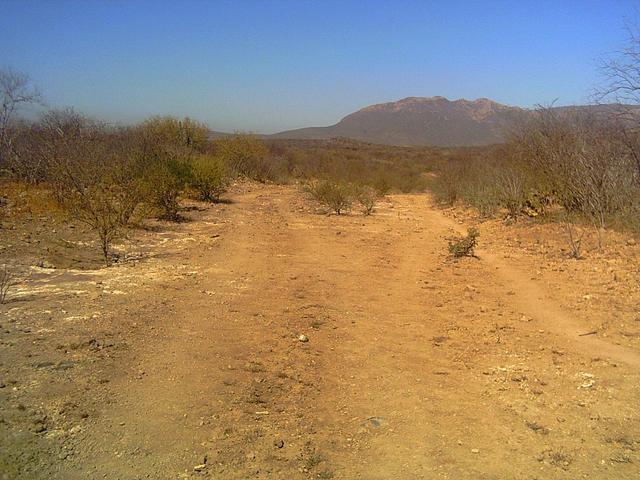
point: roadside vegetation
(112, 178)
(571, 167)
(574, 166)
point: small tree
(621, 75)
(16, 92)
(510, 185)
(574, 239)
(7, 280)
(98, 207)
(93, 176)
(176, 133)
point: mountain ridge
(435, 121)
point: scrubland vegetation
(574, 166)
(255, 317)
(111, 178)
(570, 165)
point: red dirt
(416, 365)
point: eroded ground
(184, 360)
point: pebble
(303, 338)
(475, 450)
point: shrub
(349, 161)
(447, 184)
(98, 206)
(367, 198)
(7, 280)
(245, 155)
(382, 185)
(585, 160)
(166, 148)
(511, 190)
(575, 240)
(464, 246)
(92, 175)
(209, 177)
(174, 132)
(337, 196)
(165, 180)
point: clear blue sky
(272, 65)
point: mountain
(426, 121)
(420, 121)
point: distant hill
(425, 121)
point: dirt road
(411, 366)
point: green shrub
(464, 246)
(209, 177)
(165, 180)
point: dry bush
(171, 132)
(209, 177)
(81, 166)
(577, 161)
(367, 198)
(574, 239)
(166, 148)
(165, 180)
(464, 246)
(245, 155)
(16, 91)
(473, 181)
(469, 176)
(511, 186)
(91, 170)
(337, 196)
(7, 280)
(382, 167)
(582, 161)
(447, 187)
(107, 177)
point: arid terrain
(264, 338)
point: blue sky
(266, 66)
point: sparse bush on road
(337, 196)
(464, 246)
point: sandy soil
(186, 361)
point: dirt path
(415, 366)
